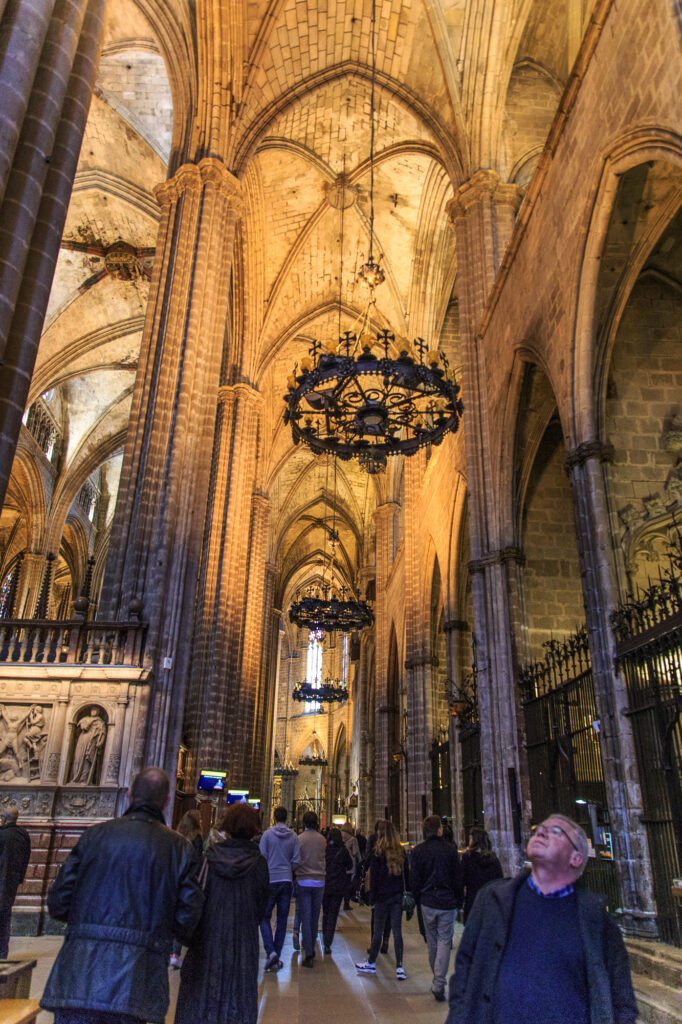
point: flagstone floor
(332, 989)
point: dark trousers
(391, 911)
(279, 898)
(387, 931)
(94, 1017)
(5, 921)
(331, 904)
(309, 900)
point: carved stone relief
(32, 803)
(83, 804)
(23, 735)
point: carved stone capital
(483, 184)
(600, 450)
(387, 509)
(456, 626)
(421, 662)
(501, 557)
(229, 393)
(261, 501)
(194, 177)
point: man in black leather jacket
(126, 890)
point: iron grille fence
(472, 787)
(440, 778)
(562, 743)
(649, 654)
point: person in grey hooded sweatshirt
(279, 846)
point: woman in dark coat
(219, 980)
(339, 871)
(479, 866)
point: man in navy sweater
(539, 948)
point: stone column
(28, 592)
(454, 631)
(585, 467)
(113, 767)
(270, 663)
(157, 536)
(256, 689)
(222, 698)
(383, 518)
(483, 215)
(48, 56)
(55, 741)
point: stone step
(657, 961)
(657, 1003)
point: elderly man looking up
(539, 948)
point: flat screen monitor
(212, 781)
(237, 796)
(254, 802)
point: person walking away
(279, 846)
(126, 890)
(351, 844)
(538, 947)
(15, 853)
(310, 875)
(219, 978)
(479, 866)
(436, 882)
(388, 878)
(189, 826)
(339, 869)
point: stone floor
(295, 995)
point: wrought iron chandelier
(319, 610)
(317, 760)
(370, 394)
(331, 691)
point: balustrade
(72, 641)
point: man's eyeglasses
(555, 830)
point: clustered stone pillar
(585, 467)
(48, 56)
(383, 518)
(157, 537)
(220, 721)
(483, 213)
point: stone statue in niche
(23, 734)
(87, 758)
(35, 738)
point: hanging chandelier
(331, 691)
(370, 394)
(319, 610)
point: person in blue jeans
(279, 846)
(310, 875)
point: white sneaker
(400, 974)
(367, 967)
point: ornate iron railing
(71, 641)
(565, 660)
(649, 655)
(654, 609)
(565, 767)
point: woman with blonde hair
(387, 882)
